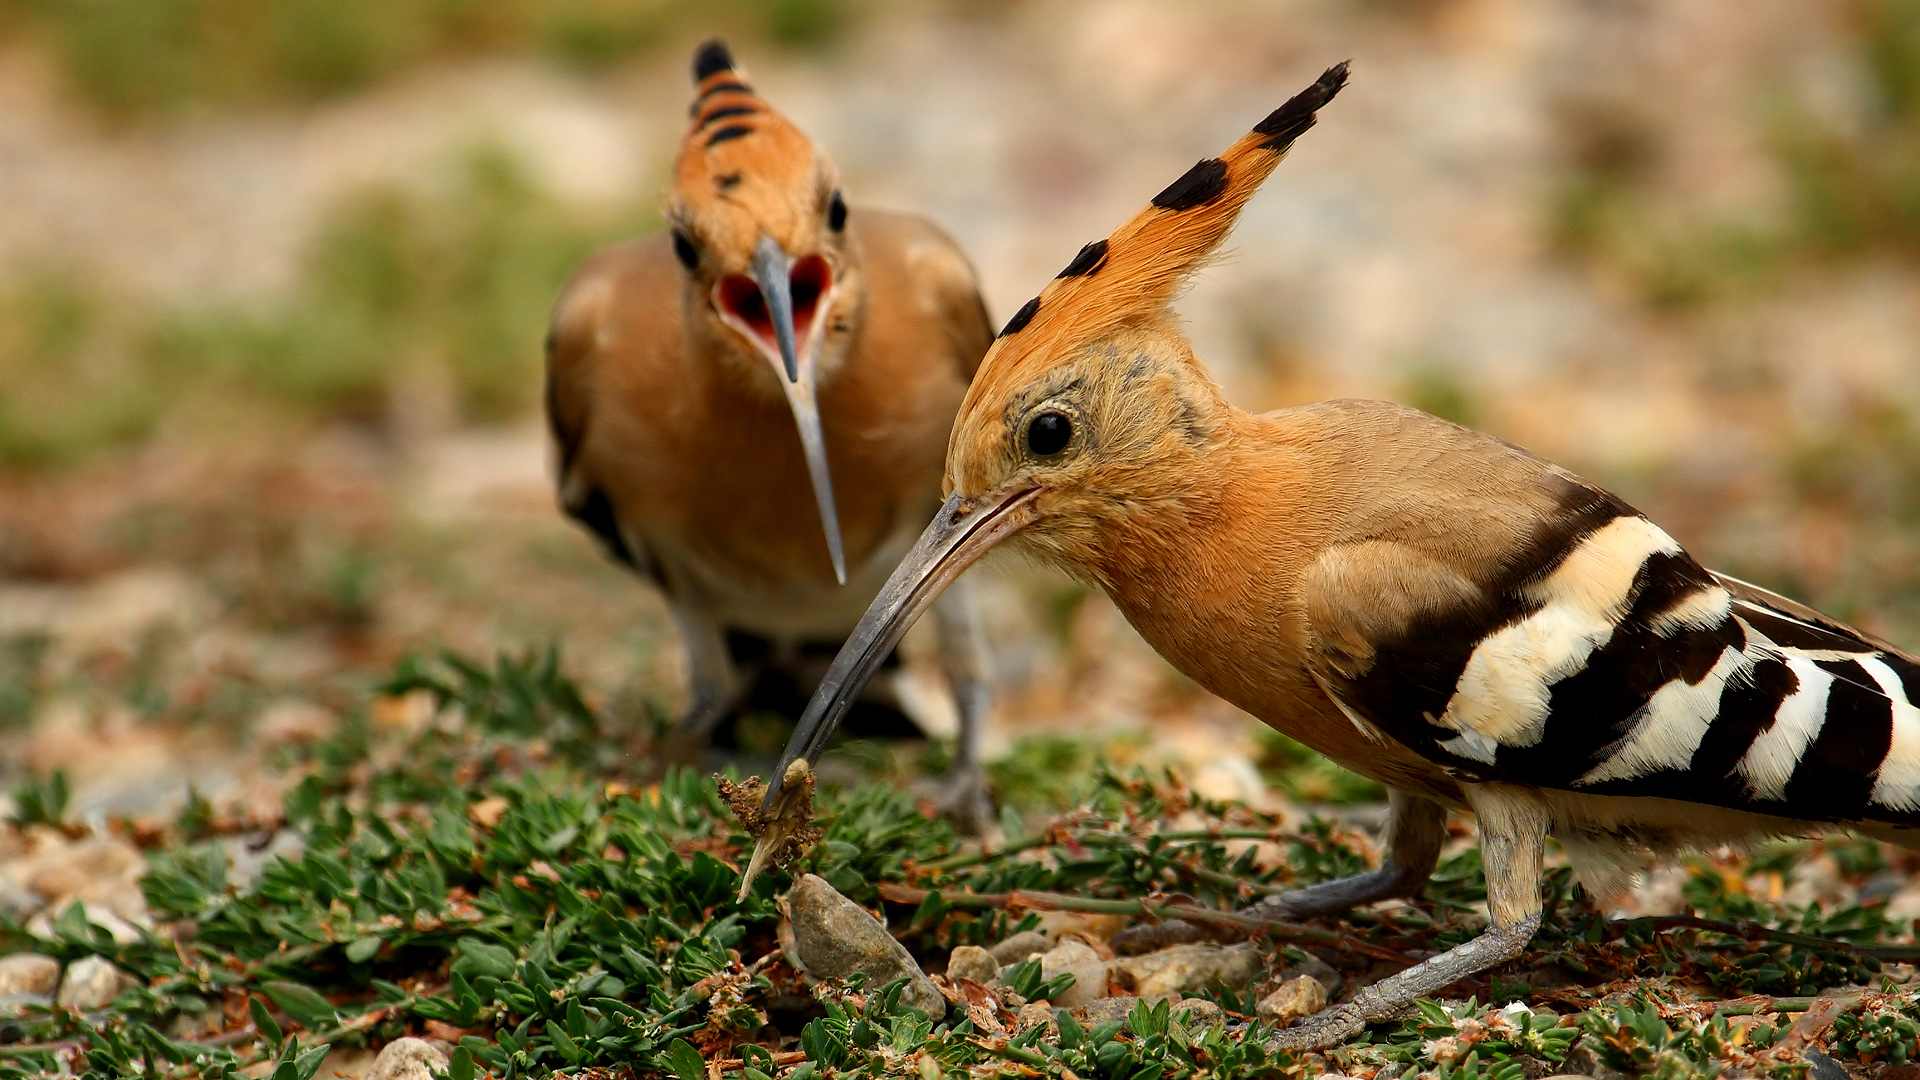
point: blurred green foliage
(450, 284)
(139, 59)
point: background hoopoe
(681, 365)
(1470, 625)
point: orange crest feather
(1133, 275)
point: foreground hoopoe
(1456, 618)
(700, 381)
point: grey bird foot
(963, 797)
(1327, 1029)
(1393, 996)
(1333, 897)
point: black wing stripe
(1836, 774)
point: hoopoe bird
(1466, 623)
(773, 360)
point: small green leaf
(685, 1061)
(303, 1003)
(481, 958)
(361, 950)
(263, 1021)
(460, 1064)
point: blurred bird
(1471, 626)
(707, 387)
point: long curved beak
(958, 536)
(770, 268)
(813, 443)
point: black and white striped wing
(1610, 662)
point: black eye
(684, 250)
(836, 213)
(1048, 434)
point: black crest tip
(1290, 121)
(1197, 186)
(1090, 260)
(711, 59)
(1022, 317)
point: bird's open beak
(963, 531)
(776, 275)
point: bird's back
(1510, 622)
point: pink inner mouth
(809, 279)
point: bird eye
(836, 212)
(1049, 433)
(684, 250)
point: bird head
(1087, 394)
(760, 227)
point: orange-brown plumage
(1446, 613)
(772, 377)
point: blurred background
(274, 275)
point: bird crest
(743, 169)
(1130, 277)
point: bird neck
(1209, 576)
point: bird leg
(964, 796)
(716, 686)
(1513, 836)
(1416, 827)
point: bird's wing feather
(1618, 665)
(574, 351)
(942, 280)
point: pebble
(93, 983)
(29, 973)
(1821, 1066)
(1317, 968)
(1185, 968)
(100, 915)
(1036, 1014)
(1019, 947)
(1152, 937)
(1298, 997)
(836, 938)
(1105, 1010)
(1201, 1013)
(973, 963)
(1088, 970)
(408, 1059)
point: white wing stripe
(1770, 761)
(1898, 786)
(1671, 725)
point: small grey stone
(1821, 1066)
(1019, 947)
(15, 1004)
(408, 1059)
(1105, 1010)
(29, 973)
(974, 963)
(1201, 1013)
(1036, 1014)
(836, 938)
(1185, 968)
(17, 902)
(92, 983)
(1319, 969)
(1089, 972)
(1298, 997)
(1152, 937)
